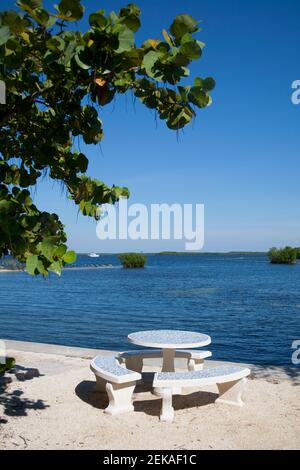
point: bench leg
(167, 410)
(120, 398)
(231, 392)
(134, 363)
(100, 385)
(195, 364)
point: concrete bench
(230, 380)
(134, 359)
(118, 381)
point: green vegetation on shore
(11, 265)
(133, 260)
(9, 364)
(287, 255)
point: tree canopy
(133, 260)
(58, 79)
(287, 255)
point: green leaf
(12, 44)
(69, 257)
(198, 97)
(201, 44)
(29, 5)
(60, 251)
(55, 43)
(126, 39)
(82, 162)
(148, 62)
(68, 53)
(167, 37)
(191, 50)
(122, 82)
(187, 37)
(209, 83)
(55, 267)
(41, 268)
(183, 24)
(31, 264)
(4, 34)
(15, 22)
(130, 17)
(80, 58)
(43, 17)
(183, 91)
(98, 19)
(70, 10)
(198, 82)
(113, 17)
(180, 117)
(46, 249)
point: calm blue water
(250, 308)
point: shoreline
(11, 270)
(268, 371)
(71, 268)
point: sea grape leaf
(69, 257)
(31, 264)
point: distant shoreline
(162, 253)
(69, 268)
(191, 253)
(11, 270)
(228, 253)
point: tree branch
(7, 114)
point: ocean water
(250, 308)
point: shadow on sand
(85, 390)
(277, 374)
(12, 399)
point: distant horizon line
(187, 253)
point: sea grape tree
(57, 80)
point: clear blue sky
(241, 156)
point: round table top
(169, 339)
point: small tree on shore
(7, 365)
(57, 81)
(133, 260)
(285, 255)
(298, 252)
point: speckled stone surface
(200, 374)
(162, 337)
(110, 365)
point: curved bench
(230, 380)
(117, 381)
(134, 359)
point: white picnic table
(169, 341)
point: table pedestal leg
(168, 360)
(169, 366)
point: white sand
(60, 410)
(4, 270)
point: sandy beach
(60, 410)
(4, 270)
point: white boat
(93, 255)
